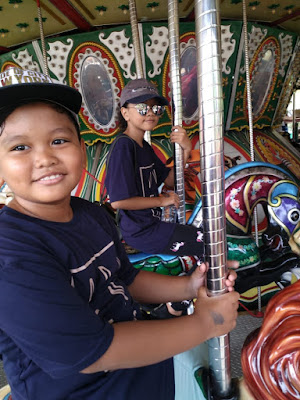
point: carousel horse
(246, 186)
(270, 355)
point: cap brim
(140, 99)
(56, 93)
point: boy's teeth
(49, 177)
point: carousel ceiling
(19, 18)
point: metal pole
(136, 40)
(46, 71)
(137, 50)
(250, 118)
(295, 131)
(210, 100)
(173, 24)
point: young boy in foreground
(70, 323)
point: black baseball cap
(140, 90)
(17, 84)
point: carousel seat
(5, 393)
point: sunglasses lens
(158, 110)
(142, 108)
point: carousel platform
(245, 325)
(3, 381)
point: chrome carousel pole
(42, 36)
(251, 138)
(176, 95)
(210, 100)
(137, 50)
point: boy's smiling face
(41, 158)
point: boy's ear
(124, 112)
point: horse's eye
(294, 216)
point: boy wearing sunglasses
(135, 173)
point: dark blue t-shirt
(137, 171)
(62, 285)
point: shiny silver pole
(137, 50)
(295, 130)
(42, 36)
(210, 100)
(136, 40)
(173, 24)
(250, 119)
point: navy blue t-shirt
(62, 285)
(137, 171)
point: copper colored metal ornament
(271, 355)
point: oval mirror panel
(261, 80)
(189, 81)
(97, 90)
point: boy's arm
(179, 135)
(141, 203)
(140, 343)
(170, 179)
(150, 287)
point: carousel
(231, 72)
